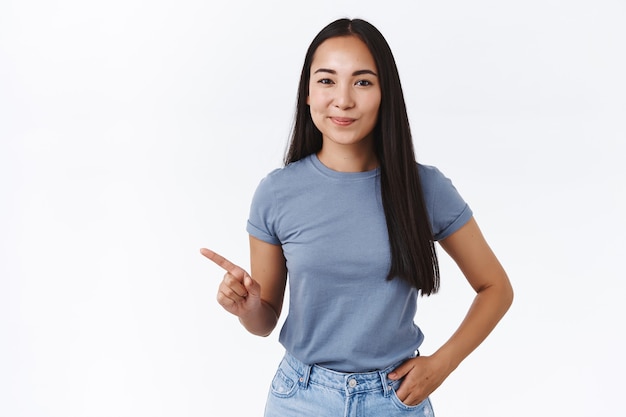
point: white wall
(134, 132)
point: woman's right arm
(269, 269)
(257, 302)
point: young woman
(352, 219)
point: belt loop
(304, 378)
(386, 385)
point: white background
(133, 132)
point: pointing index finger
(224, 263)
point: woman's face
(344, 92)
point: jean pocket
(422, 409)
(285, 381)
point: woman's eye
(363, 83)
(325, 81)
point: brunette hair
(413, 255)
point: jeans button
(352, 383)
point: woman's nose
(344, 98)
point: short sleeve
(447, 210)
(261, 221)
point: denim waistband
(352, 383)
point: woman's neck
(348, 158)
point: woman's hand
(422, 375)
(238, 293)
(257, 302)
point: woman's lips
(342, 121)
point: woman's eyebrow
(359, 72)
(365, 71)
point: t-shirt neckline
(323, 169)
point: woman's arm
(268, 267)
(494, 295)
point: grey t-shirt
(343, 313)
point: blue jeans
(300, 390)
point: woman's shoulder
(447, 209)
(430, 175)
(435, 184)
(286, 175)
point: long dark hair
(413, 255)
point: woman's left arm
(494, 295)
